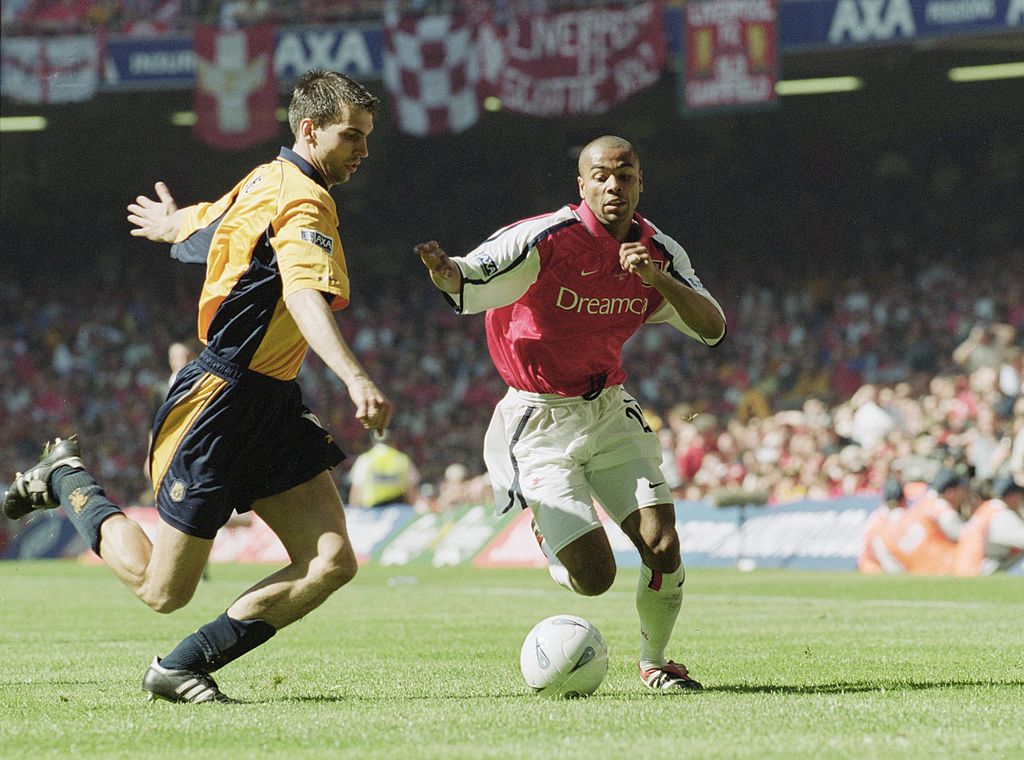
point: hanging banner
(577, 62)
(51, 69)
(729, 55)
(235, 92)
(430, 70)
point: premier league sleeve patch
(319, 239)
(486, 263)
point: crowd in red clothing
(98, 366)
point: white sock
(659, 596)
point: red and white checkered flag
(431, 72)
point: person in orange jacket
(923, 539)
(874, 557)
(993, 538)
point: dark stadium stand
(854, 243)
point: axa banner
(170, 62)
(149, 63)
(824, 23)
(578, 61)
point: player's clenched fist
(635, 258)
(443, 271)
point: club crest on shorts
(177, 492)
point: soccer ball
(564, 656)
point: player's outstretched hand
(443, 271)
(373, 409)
(157, 220)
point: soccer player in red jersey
(562, 293)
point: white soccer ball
(564, 656)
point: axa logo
(869, 20)
(569, 300)
(319, 239)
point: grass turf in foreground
(423, 663)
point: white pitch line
(940, 604)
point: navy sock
(84, 502)
(217, 643)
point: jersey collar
(586, 215)
(304, 166)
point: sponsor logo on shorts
(177, 491)
(319, 239)
(569, 300)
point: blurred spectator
(383, 475)
(922, 541)
(874, 556)
(993, 538)
(986, 344)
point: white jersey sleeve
(680, 268)
(502, 268)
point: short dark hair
(320, 95)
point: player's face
(610, 184)
(338, 148)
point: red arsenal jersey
(559, 307)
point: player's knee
(166, 601)
(595, 580)
(336, 566)
(663, 550)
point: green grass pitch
(416, 662)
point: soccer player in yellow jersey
(233, 433)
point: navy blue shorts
(226, 437)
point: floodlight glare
(22, 123)
(985, 73)
(818, 86)
(183, 118)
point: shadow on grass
(857, 687)
(835, 688)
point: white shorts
(556, 455)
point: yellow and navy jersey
(275, 233)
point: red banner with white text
(576, 62)
(730, 54)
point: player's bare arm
(444, 272)
(316, 322)
(699, 313)
(157, 220)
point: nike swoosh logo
(586, 273)
(655, 485)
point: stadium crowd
(156, 17)
(877, 329)
(800, 403)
